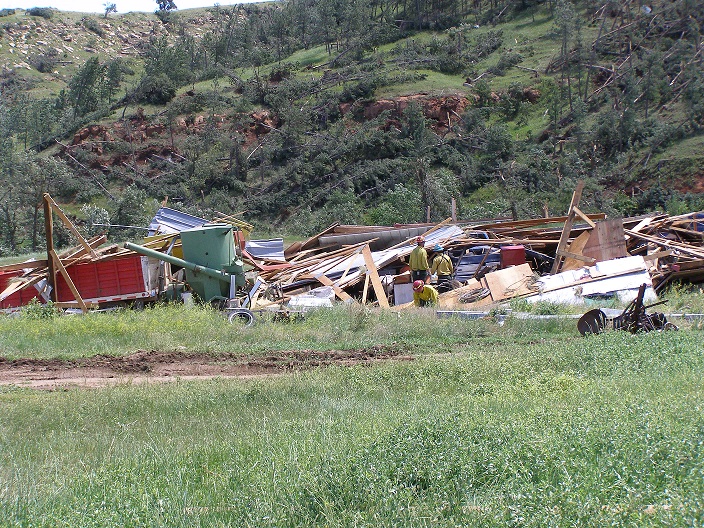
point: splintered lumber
(338, 291)
(17, 284)
(572, 261)
(564, 237)
(29, 265)
(374, 276)
(606, 241)
(69, 225)
(307, 244)
(518, 225)
(365, 289)
(670, 244)
(49, 234)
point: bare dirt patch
(158, 366)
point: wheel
(241, 315)
(592, 322)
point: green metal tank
(211, 246)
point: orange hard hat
(418, 285)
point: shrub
(44, 12)
(92, 25)
(6, 12)
(36, 310)
(157, 90)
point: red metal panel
(105, 278)
(19, 298)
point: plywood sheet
(509, 282)
(576, 247)
(451, 299)
(607, 241)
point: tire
(241, 315)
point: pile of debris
(566, 259)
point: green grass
(541, 431)
(435, 83)
(173, 327)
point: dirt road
(161, 366)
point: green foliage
(93, 25)
(93, 86)
(36, 310)
(314, 69)
(132, 208)
(157, 89)
(43, 12)
(401, 205)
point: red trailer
(19, 298)
(127, 278)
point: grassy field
(525, 424)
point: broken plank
(374, 275)
(69, 225)
(31, 265)
(76, 295)
(343, 295)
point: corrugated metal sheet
(269, 249)
(168, 221)
(385, 239)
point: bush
(44, 62)
(6, 12)
(44, 12)
(92, 25)
(157, 90)
(36, 310)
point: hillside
(305, 115)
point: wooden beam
(49, 233)
(366, 289)
(374, 276)
(564, 237)
(32, 264)
(584, 217)
(343, 295)
(71, 285)
(69, 225)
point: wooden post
(366, 289)
(454, 210)
(49, 232)
(374, 276)
(69, 225)
(564, 237)
(427, 214)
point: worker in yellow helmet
(418, 261)
(424, 294)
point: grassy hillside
(301, 122)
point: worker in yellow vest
(442, 264)
(424, 294)
(418, 261)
